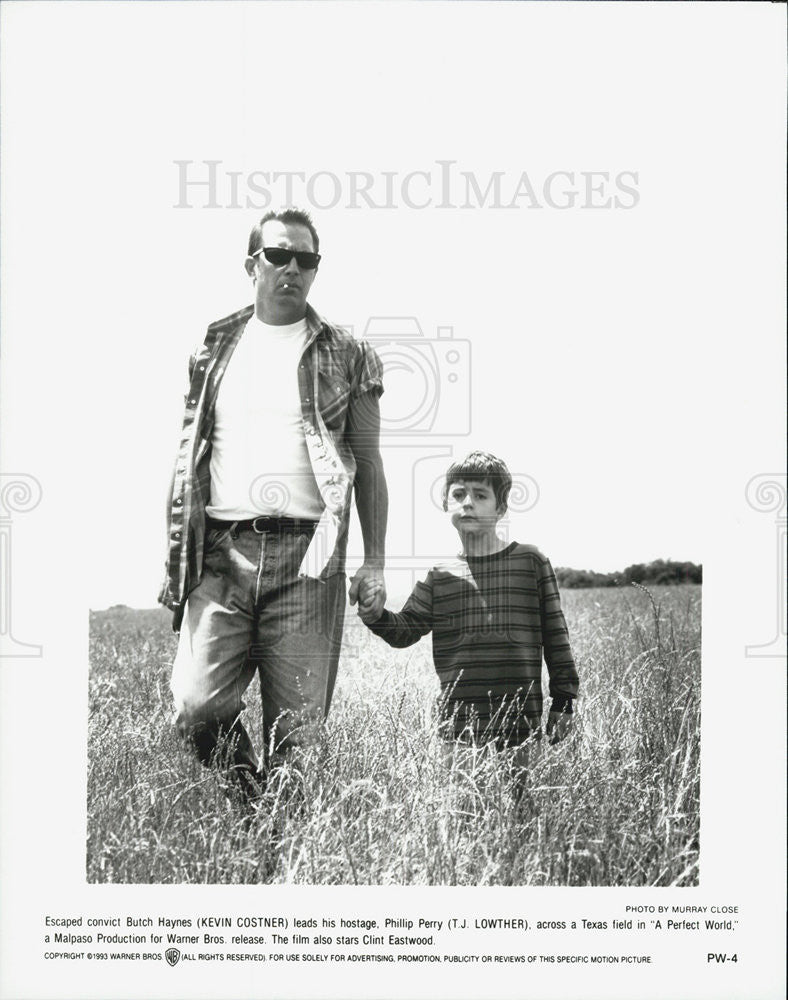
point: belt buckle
(255, 529)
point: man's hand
(372, 595)
(559, 725)
(368, 584)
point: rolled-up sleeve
(367, 371)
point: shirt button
(177, 534)
(202, 368)
(192, 401)
(306, 399)
(179, 501)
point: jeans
(251, 612)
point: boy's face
(472, 506)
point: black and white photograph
(393, 501)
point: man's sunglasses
(279, 257)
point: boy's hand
(559, 725)
(372, 597)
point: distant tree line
(659, 571)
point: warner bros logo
(172, 955)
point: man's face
(281, 292)
(472, 506)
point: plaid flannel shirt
(334, 367)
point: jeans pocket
(297, 547)
(214, 539)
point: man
(281, 426)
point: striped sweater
(491, 618)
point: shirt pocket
(333, 399)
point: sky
(551, 249)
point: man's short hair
(480, 466)
(289, 216)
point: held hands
(372, 597)
(559, 725)
(367, 587)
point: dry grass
(374, 802)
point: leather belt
(260, 525)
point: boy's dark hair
(480, 466)
(289, 216)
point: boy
(492, 611)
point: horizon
(402, 595)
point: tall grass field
(376, 801)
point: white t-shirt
(259, 460)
